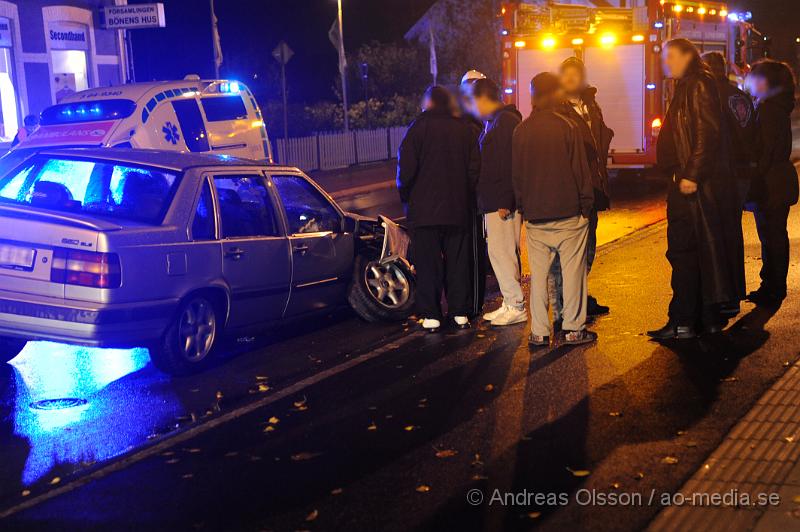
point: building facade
(50, 49)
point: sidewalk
(357, 179)
(758, 458)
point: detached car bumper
(82, 323)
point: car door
(322, 253)
(256, 258)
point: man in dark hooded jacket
(437, 172)
(496, 200)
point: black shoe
(593, 308)
(671, 331)
(729, 310)
(763, 298)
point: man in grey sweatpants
(496, 199)
(553, 189)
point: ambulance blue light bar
(229, 87)
(68, 113)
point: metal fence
(326, 151)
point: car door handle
(301, 248)
(234, 253)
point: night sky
(250, 29)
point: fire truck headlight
(701, 11)
(638, 38)
(577, 42)
(723, 13)
(520, 44)
(548, 42)
(608, 40)
(677, 8)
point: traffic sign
(282, 53)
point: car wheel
(381, 292)
(188, 344)
(10, 347)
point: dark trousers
(771, 226)
(684, 256)
(443, 259)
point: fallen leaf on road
(312, 516)
(534, 515)
(479, 477)
(337, 491)
(729, 379)
(372, 426)
(446, 453)
(299, 457)
(615, 414)
(269, 428)
(691, 444)
(796, 498)
(263, 388)
(477, 462)
(789, 439)
(273, 420)
(193, 450)
(299, 404)
(639, 476)
(409, 428)
(488, 388)
(681, 432)
(55, 481)
(615, 485)
(219, 395)
(423, 488)
(25, 493)
(261, 377)
(579, 472)
(671, 460)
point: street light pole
(342, 69)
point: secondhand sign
(133, 16)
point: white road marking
(172, 440)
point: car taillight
(86, 268)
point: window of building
(221, 108)
(9, 106)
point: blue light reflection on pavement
(120, 413)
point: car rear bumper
(75, 322)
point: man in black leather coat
(689, 149)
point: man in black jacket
(689, 151)
(738, 141)
(496, 199)
(582, 108)
(437, 172)
(553, 190)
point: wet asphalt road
(340, 425)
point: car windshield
(90, 187)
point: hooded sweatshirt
(495, 186)
(776, 182)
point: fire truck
(621, 47)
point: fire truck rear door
(619, 75)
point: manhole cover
(58, 404)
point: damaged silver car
(172, 251)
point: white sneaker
(462, 322)
(431, 325)
(489, 316)
(511, 316)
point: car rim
(388, 284)
(197, 330)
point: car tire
(10, 347)
(380, 292)
(188, 345)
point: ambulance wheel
(381, 292)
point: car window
(245, 207)
(220, 108)
(307, 210)
(91, 187)
(203, 223)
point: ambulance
(621, 47)
(190, 115)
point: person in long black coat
(689, 150)
(775, 188)
(437, 173)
